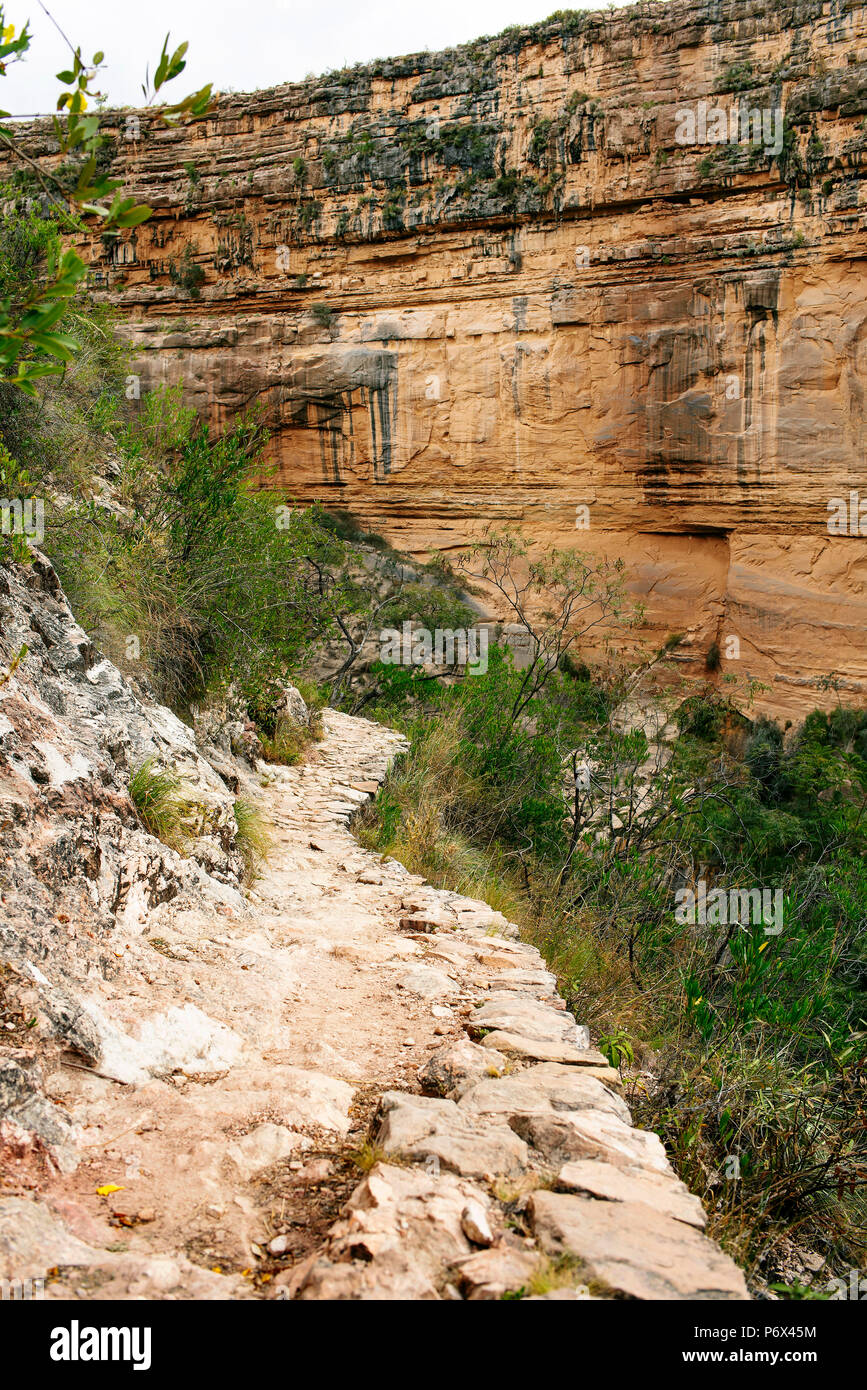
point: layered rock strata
(605, 272)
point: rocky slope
(493, 284)
(192, 1077)
(81, 881)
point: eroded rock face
(80, 877)
(495, 284)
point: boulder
(665, 1194)
(439, 1133)
(510, 1013)
(291, 706)
(633, 1250)
(453, 1069)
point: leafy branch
(29, 349)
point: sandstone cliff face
(494, 284)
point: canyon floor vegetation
(742, 1047)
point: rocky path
(369, 1089)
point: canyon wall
(542, 280)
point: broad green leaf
(58, 344)
(134, 217)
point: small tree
(30, 346)
(558, 598)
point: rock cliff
(602, 277)
(81, 879)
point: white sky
(241, 46)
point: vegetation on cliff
(190, 571)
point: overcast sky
(242, 46)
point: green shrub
(323, 314)
(617, 1047)
(539, 140)
(187, 273)
(218, 578)
(739, 77)
(8, 672)
(158, 795)
(751, 1046)
(253, 838)
(286, 744)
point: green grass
(287, 744)
(157, 794)
(253, 838)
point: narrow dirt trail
(349, 989)
(310, 981)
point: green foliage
(469, 145)
(790, 160)
(28, 244)
(739, 77)
(539, 140)
(511, 185)
(756, 1043)
(30, 327)
(323, 314)
(253, 838)
(285, 742)
(158, 795)
(15, 483)
(187, 274)
(519, 760)
(308, 214)
(392, 211)
(617, 1047)
(30, 346)
(798, 1292)
(6, 676)
(219, 579)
